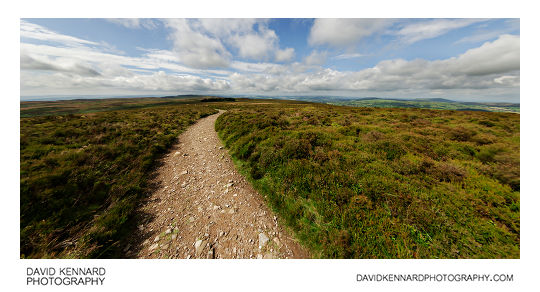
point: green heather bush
(82, 175)
(384, 183)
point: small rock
(216, 207)
(168, 231)
(156, 239)
(221, 233)
(141, 227)
(259, 256)
(176, 153)
(263, 239)
(173, 237)
(229, 185)
(153, 246)
(235, 195)
(184, 172)
(199, 246)
(146, 242)
(220, 147)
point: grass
(384, 183)
(82, 175)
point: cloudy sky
(460, 59)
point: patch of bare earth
(203, 208)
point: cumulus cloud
(196, 49)
(203, 43)
(499, 56)
(255, 45)
(284, 55)
(316, 58)
(344, 31)
(475, 69)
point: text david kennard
(65, 276)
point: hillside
(82, 175)
(428, 103)
(385, 183)
(349, 182)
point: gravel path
(203, 208)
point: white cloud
(474, 70)
(134, 23)
(284, 55)
(348, 56)
(30, 63)
(344, 31)
(417, 31)
(510, 26)
(316, 58)
(499, 56)
(38, 32)
(255, 45)
(225, 27)
(200, 43)
(195, 48)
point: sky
(460, 59)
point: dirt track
(203, 208)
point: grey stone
(277, 242)
(199, 246)
(263, 239)
(153, 246)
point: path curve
(203, 208)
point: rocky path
(203, 208)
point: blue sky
(460, 59)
